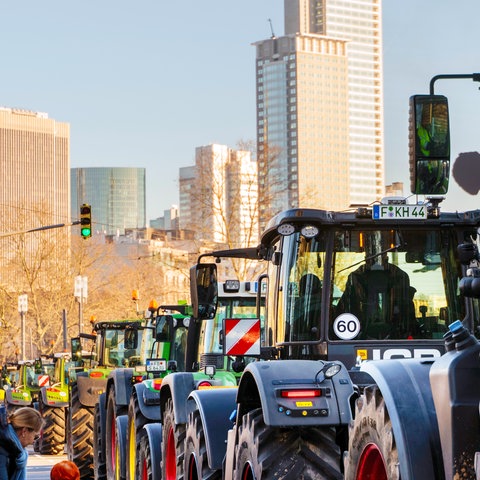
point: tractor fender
(102, 420)
(154, 435)
(121, 442)
(151, 412)
(215, 407)
(121, 380)
(56, 402)
(405, 387)
(177, 386)
(262, 382)
(14, 398)
(89, 388)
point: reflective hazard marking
(43, 380)
(242, 336)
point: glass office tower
(319, 107)
(117, 197)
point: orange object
(65, 470)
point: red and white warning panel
(242, 336)
(43, 380)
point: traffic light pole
(474, 76)
(46, 227)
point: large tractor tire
(270, 453)
(196, 461)
(135, 434)
(110, 431)
(52, 439)
(372, 452)
(100, 464)
(80, 435)
(173, 437)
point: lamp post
(80, 293)
(23, 309)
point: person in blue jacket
(19, 430)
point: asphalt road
(39, 466)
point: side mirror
(429, 144)
(131, 339)
(76, 348)
(204, 290)
(163, 328)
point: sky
(143, 83)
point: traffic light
(429, 144)
(86, 220)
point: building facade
(35, 179)
(34, 163)
(219, 196)
(319, 107)
(186, 183)
(116, 195)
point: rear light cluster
(306, 393)
(204, 384)
(157, 383)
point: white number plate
(403, 212)
(156, 365)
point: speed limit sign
(346, 326)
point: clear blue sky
(143, 83)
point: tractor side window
(300, 295)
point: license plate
(402, 212)
(156, 365)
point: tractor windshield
(356, 284)
(117, 351)
(394, 284)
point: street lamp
(23, 309)
(80, 293)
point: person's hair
(26, 417)
(65, 470)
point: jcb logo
(391, 353)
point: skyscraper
(116, 194)
(34, 177)
(34, 163)
(319, 107)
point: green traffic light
(86, 220)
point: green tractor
(53, 404)
(112, 345)
(41, 384)
(32, 376)
(9, 379)
(159, 443)
(162, 347)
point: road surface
(39, 466)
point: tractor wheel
(265, 453)
(196, 462)
(173, 437)
(135, 433)
(80, 435)
(372, 451)
(52, 439)
(99, 439)
(112, 412)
